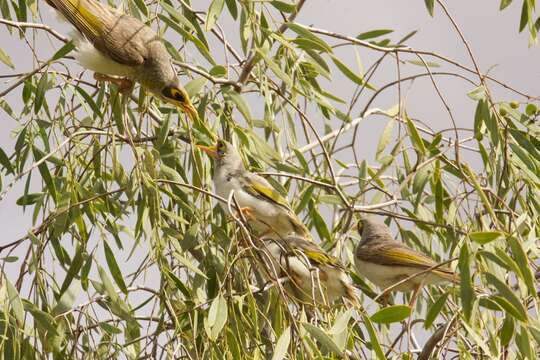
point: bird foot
(384, 299)
(248, 213)
(124, 85)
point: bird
(265, 210)
(314, 277)
(385, 261)
(121, 49)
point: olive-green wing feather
(396, 254)
(312, 251)
(260, 188)
(83, 15)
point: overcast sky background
(492, 35)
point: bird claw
(248, 213)
(124, 85)
(384, 299)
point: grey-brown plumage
(314, 276)
(265, 209)
(120, 45)
(385, 261)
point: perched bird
(385, 261)
(122, 49)
(313, 275)
(264, 208)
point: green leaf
(506, 333)
(322, 337)
(484, 237)
(241, 104)
(523, 265)
(283, 6)
(107, 285)
(391, 314)
(525, 14)
(40, 92)
(430, 4)
(429, 64)
(508, 294)
(29, 199)
(478, 93)
(466, 288)
(76, 264)
(187, 263)
(141, 6)
(276, 69)
(217, 317)
(434, 310)
(45, 173)
(170, 173)
(179, 284)
(214, 11)
(233, 10)
(504, 4)
(282, 344)
(66, 301)
(4, 161)
(163, 131)
(375, 344)
(384, 140)
(308, 35)
(15, 302)
(63, 51)
(373, 34)
(4, 57)
(43, 319)
(416, 140)
(340, 325)
(350, 74)
(523, 342)
(114, 268)
(111, 330)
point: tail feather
(350, 296)
(448, 275)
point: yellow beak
(190, 110)
(210, 150)
(359, 227)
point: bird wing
(312, 251)
(260, 188)
(397, 254)
(111, 33)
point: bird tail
(448, 275)
(350, 296)
(86, 15)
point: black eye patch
(175, 94)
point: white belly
(92, 59)
(309, 282)
(263, 210)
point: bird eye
(177, 95)
(221, 148)
(174, 93)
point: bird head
(371, 228)
(224, 153)
(177, 95)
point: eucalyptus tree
(124, 251)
